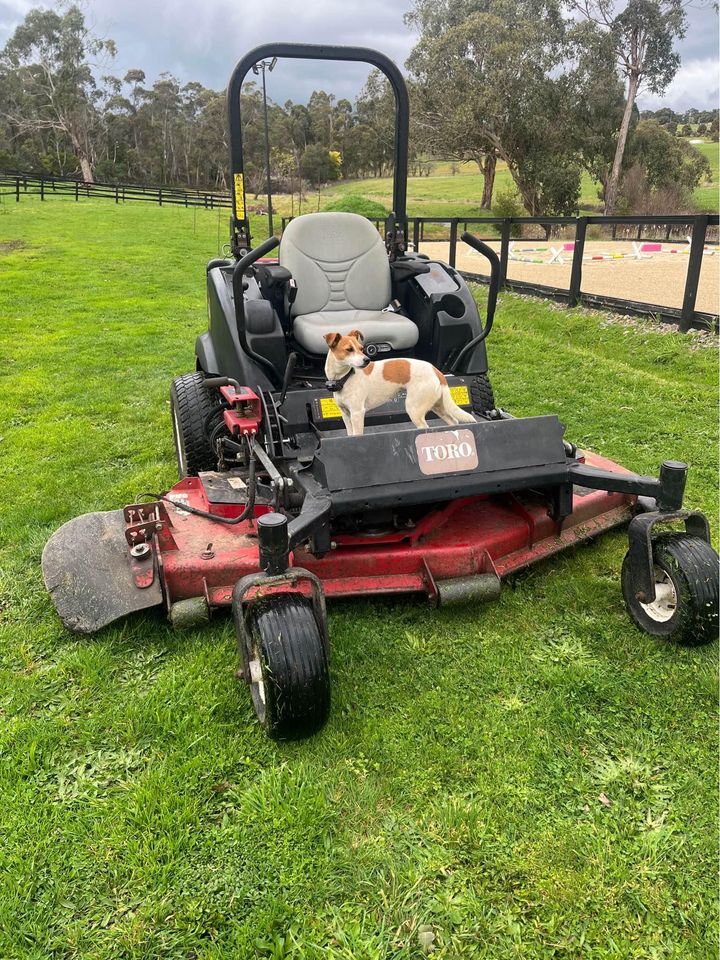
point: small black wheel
(481, 394)
(286, 667)
(191, 405)
(685, 609)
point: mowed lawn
(529, 779)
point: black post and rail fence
(701, 230)
(18, 186)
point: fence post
(42, 189)
(453, 241)
(576, 271)
(77, 190)
(160, 196)
(504, 249)
(697, 246)
(416, 235)
(117, 194)
(17, 190)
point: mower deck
(476, 540)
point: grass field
(706, 195)
(444, 194)
(458, 782)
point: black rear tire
(286, 667)
(481, 394)
(685, 609)
(190, 407)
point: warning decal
(329, 409)
(239, 197)
(460, 394)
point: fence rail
(21, 185)
(703, 230)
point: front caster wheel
(685, 608)
(285, 664)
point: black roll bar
(240, 224)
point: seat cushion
(339, 262)
(375, 326)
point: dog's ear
(331, 339)
(358, 335)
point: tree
(595, 103)
(318, 165)
(666, 160)
(641, 36)
(52, 86)
(489, 83)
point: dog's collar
(334, 385)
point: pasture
(444, 194)
(533, 778)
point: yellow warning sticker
(239, 197)
(328, 408)
(460, 395)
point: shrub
(507, 203)
(638, 196)
(355, 203)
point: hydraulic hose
(229, 521)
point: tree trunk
(488, 171)
(611, 190)
(86, 169)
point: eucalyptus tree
(48, 81)
(490, 82)
(640, 36)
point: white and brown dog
(379, 381)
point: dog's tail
(451, 409)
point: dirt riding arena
(657, 277)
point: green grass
(444, 194)
(144, 815)
(706, 195)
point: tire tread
(194, 404)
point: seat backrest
(338, 261)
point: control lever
(494, 261)
(290, 367)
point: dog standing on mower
(278, 508)
(426, 388)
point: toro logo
(448, 452)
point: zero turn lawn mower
(277, 508)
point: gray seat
(339, 263)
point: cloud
(202, 42)
(696, 84)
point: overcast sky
(202, 41)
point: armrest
(277, 285)
(270, 275)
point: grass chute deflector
(277, 509)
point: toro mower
(278, 508)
